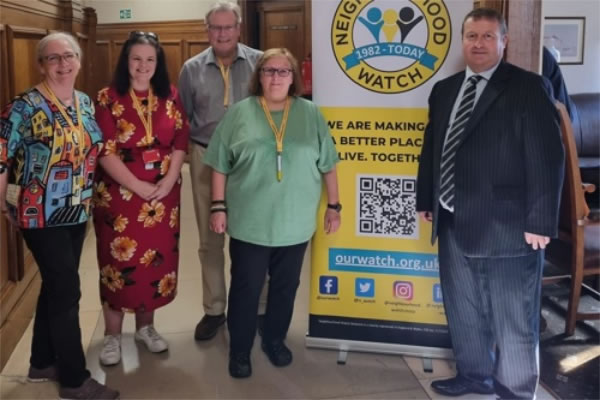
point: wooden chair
(578, 244)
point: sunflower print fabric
(137, 240)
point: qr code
(387, 206)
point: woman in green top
(270, 155)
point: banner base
(375, 347)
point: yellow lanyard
(146, 119)
(279, 133)
(75, 129)
(225, 74)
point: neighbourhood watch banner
(374, 64)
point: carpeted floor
(570, 364)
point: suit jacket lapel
(491, 92)
(453, 89)
(446, 108)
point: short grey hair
(42, 44)
(221, 6)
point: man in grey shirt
(209, 83)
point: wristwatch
(2, 168)
(337, 206)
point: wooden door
(283, 24)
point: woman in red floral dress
(137, 198)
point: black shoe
(260, 324)
(239, 365)
(208, 326)
(458, 386)
(278, 353)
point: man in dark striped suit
(490, 176)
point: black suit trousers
(493, 307)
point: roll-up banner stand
(375, 284)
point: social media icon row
(365, 287)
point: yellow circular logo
(390, 50)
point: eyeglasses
(281, 72)
(221, 28)
(55, 59)
(136, 34)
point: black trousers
(249, 266)
(493, 310)
(56, 332)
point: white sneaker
(111, 351)
(154, 342)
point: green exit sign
(125, 13)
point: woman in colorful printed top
(49, 144)
(269, 155)
(136, 213)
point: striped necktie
(457, 127)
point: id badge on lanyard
(150, 157)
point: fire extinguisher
(306, 71)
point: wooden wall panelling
(115, 47)
(102, 72)
(73, 16)
(67, 15)
(20, 270)
(194, 46)
(4, 265)
(4, 93)
(45, 14)
(188, 29)
(24, 69)
(84, 72)
(175, 58)
(91, 20)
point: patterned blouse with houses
(137, 240)
(51, 174)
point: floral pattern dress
(137, 241)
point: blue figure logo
(390, 24)
(373, 22)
